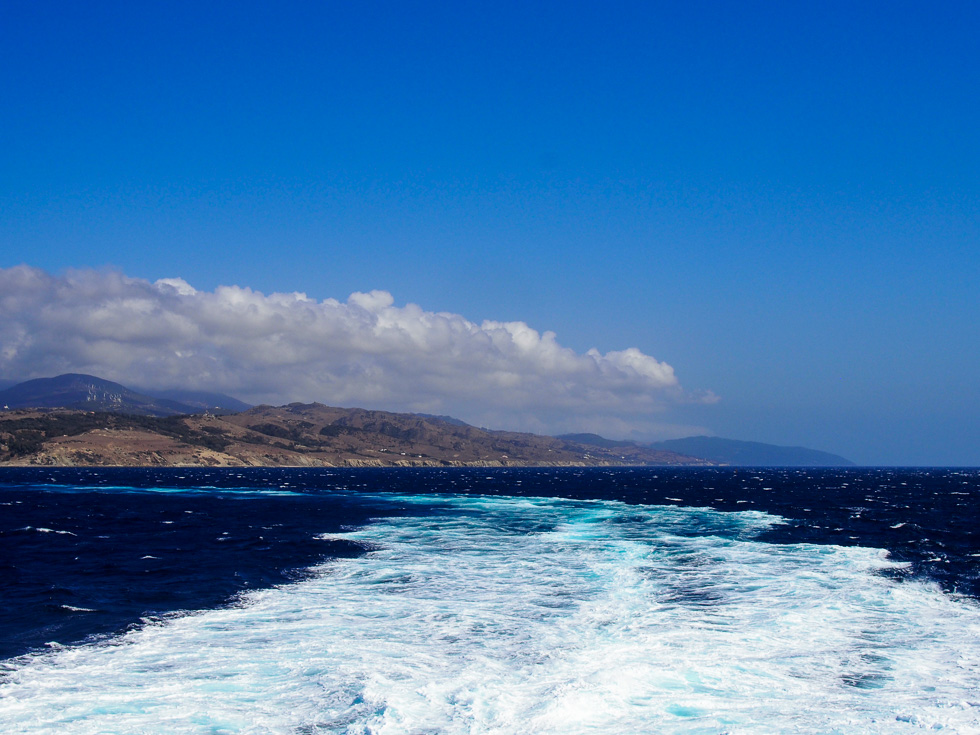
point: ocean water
(489, 601)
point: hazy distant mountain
(726, 451)
(447, 419)
(90, 393)
(217, 403)
(595, 440)
(750, 454)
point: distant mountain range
(751, 454)
(89, 393)
(310, 434)
(728, 451)
(597, 441)
(216, 403)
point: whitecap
(520, 615)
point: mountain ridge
(351, 436)
(91, 393)
(729, 452)
(735, 452)
(78, 419)
(293, 435)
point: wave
(516, 615)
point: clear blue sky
(780, 200)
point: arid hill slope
(293, 435)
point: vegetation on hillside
(22, 436)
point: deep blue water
(90, 558)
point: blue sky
(778, 200)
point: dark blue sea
(506, 601)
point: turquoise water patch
(536, 615)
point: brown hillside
(293, 435)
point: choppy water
(537, 601)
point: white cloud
(284, 347)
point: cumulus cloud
(286, 347)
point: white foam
(48, 530)
(538, 616)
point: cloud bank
(279, 348)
